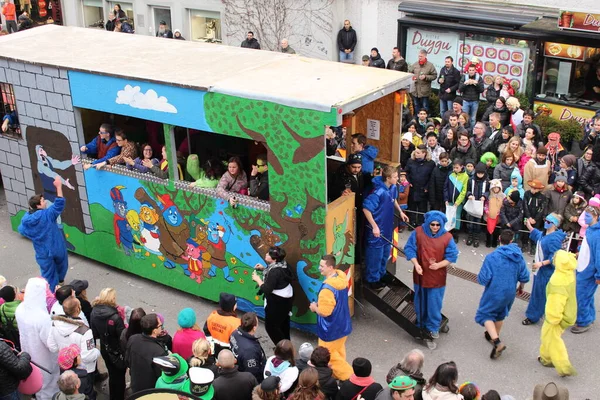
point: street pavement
(374, 336)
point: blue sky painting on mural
(144, 100)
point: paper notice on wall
(510, 62)
(373, 129)
(439, 45)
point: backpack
(8, 330)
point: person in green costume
(206, 177)
(174, 372)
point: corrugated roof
(254, 74)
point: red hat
(166, 201)
(554, 136)
(67, 356)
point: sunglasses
(434, 224)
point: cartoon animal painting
(174, 230)
(193, 254)
(218, 236)
(342, 242)
(133, 219)
(264, 241)
(150, 235)
(123, 235)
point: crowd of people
(15, 23)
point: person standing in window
(164, 31)
(233, 181)
(250, 42)
(10, 15)
(118, 12)
(259, 178)
(128, 150)
(161, 169)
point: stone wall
(43, 97)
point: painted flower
(235, 271)
(241, 281)
(233, 260)
(245, 272)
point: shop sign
(564, 113)
(567, 51)
(438, 45)
(579, 21)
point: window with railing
(10, 118)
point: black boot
(488, 241)
(476, 241)
(470, 239)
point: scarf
(561, 190)
(423, 62)
(362, 381)
(463, 149)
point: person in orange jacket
(10, 14)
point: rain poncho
(500, 273)
(34, 329)
(588, 273)
(548, 244)
(561, 312)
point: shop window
(10, 120)
(205, 26)
(161, 14)
(127, 8)
(93, 14)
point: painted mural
(196, 242)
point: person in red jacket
(10, 14)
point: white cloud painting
(133, 96)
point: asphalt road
(375, 336)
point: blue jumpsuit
(48, 242)
(500, 273)
(550, 243)
(586, 279)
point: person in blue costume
(501, 271)
(431, 249)
(547, 244)
(369, 153)
(588, 272)
(378, 208)
(39, 225)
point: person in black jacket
(107, 326)
(141, 349)
(397, 62)
(232, 384)
(259, 178)
(375, 60)
(246, 347)
(346, 41)
(250, 42)
(477, 189)
(418, 173)
(13, 369)
(319, 359)
(590, 138)
(535, 205)
(471, 87)
(277, 290)
(436, 183)
(163, 31)
(110, 24)
(360, 382)
(449, 79)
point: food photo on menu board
(510, 62)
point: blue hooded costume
(380, 203)
(430, 287)
(501, 271)
(48, 241)
(515, 175)
(586, 278)
(550, 244)
(369, 153)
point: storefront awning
(487, 29)
(547, 29)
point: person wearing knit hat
(511, 213)
(360, 383)
(556, 151)
(188, 333)
(400, 388)
(221, 323)
(588, 269)
(9, 294)
(304, 352)
(534, 210)
(500, 273)
(537, 168)
(375, 60)
(69, 358)
(567, 169)
(547, 244)
(558, 194)
(477, 187)
(406, 149)
(560, 313)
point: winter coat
(405, 155)
(251, 44)
(535, 206)
(62, 396)
(482, 146)
(234, 385)
(40, 227)
(512, 215)
(589, 182)
(397, 370)
(478, 188)
(137, 165)
(259, 186)
(183, 341)
(501, 271)
(515, 175)
(451, 81)
(141, 349)
(34, 328)
(504, 114)
(558, 201)
(349, 389)
(437, 183)
(369, 153)
(67, 331)
(340, 178)
(572, 210)
(87, 383)
(13, 368)
(107, 326)
(418, 173)
(435, 152)
(470, 154)
(422, 88)
(346, 39)
(327, 382)
(504, 173)
(471, 92)
(522, 127)
(455, 188)
(533, 170)
(249, 353)
(588, 140)
(277, 276)
(229, 186)
(284, 370)
(440, 393)
(399, 65)
(491, 94)
(7, 310)
(376, 61)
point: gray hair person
(410, 365)
(69, 383)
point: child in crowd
(528, 153)
(534, 209)
(417, 139)
(559, 195)
(492, 212)
(516, 183)
(403, 192)
(470, 167)
(469, 391)
(567, 169)
(69, 358)
(490, 160)
(406, 149)
(511, 214)
(455, 191)
(439, 175)
(570, 225)
(476, 190)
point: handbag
(451, 216)
(474, 208)
(33, 383)
(115, 357)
